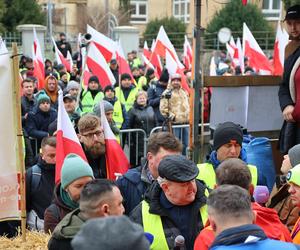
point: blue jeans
(183, 135)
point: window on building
(181, 10)
(139, 11)
(271, 9)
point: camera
(167, 94)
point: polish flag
(240, 54)
(146, 51)
(86, 74)
(155, 60)
(67, 140)
(70, 60)
(116, 160)
(122, 62)
(282, 39)
(173, 68)
(187, 54)
(38, 61)
(257, 58)
(164, 44)
(60, 57)
(233, 52)
(103, 43)
(98, 66)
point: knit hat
(94, 79)
(72, 85)
(125, 76)
(294, 155)
(226, 132)
(73, 168)
(176, 76)
(293, 175)
(164, 77)
(42, 96)
(107, 88)
(107, 107)
(113, 232)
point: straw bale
(34, 241)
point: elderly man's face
(229, 150)
(180, 194)
(93, 141)
(294, 191)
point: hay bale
(34, 241)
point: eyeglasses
(91, 135)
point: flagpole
(19, 132)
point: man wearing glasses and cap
(174, 208)
(289, 91)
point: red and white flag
(67, 140)
(60, 57)
(98, 66)
(257, 58)
(86, 74)
(187, 54)
(233, 52)
(116, 160)
(155, 60)
(240, 54)
(146, 51)
(163, 44)
(38, 61)
(122, 62)
(70, 59)
(173, 68)
(104, 44)
(282, 39)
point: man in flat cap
(227, 143)
(175, 205)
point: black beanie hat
(94, 79)
(164, 77)
(225, 132)
(107, 88)
(125, 76)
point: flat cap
(177, 168)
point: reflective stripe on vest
(87, 101)
(130, 100)
(208, 174)
(118, 114)
(152, 224)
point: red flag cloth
(66, 139)
(60, 57)
(244, 2)
(38, 61)
(116, 160)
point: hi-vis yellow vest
(208, 174)
(130, 100)
(152, 224)
(118, 114)
(87, 101)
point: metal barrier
(134, 144)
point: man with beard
(40, 181)
(91, 137)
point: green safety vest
(208, 174)
(152, 224)
(87, 101)
(142, 82)
(118, 114)
(130, 100)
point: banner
(9, 190)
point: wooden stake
(19, 132)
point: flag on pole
(155, 60)
(116, 160)
(240, 54)
(187, 54)
(86, 74)
(282, 39)
(60, 57)
(67, 140)
(38, 61)
(98, 66)
(173, 68)
(146, 51)
(104, 44)
(9, 187)
(257, 58)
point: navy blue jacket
(133, 185)
(234, 238)
(38, 122)
(154, 94)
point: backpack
(36, 174)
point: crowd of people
(164, 201)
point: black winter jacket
(152, 197)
